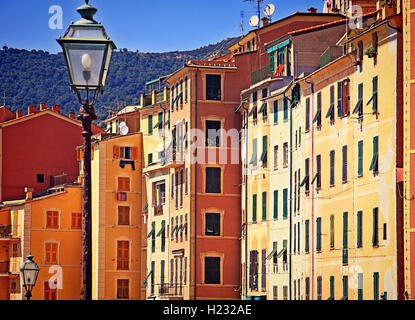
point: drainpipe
(312, 191)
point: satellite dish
(253, 22)
(269, 10)
(123, 128)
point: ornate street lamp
(88, 51)
(29, 271)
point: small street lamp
(29, 271)
(88, 51)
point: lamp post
(88, 51)
(29, 271)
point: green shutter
(275, 204)
(163, 239)
(318, 243)
(254, 203)
(264, 206)
(332, 232)
(285, 203)
(375, 94)
(307, 236)
(360, 286)
(150, 158)
(360, 159)
(271, 61)
(345, 239)
(345, 288)
(375, 158)
(331, 288)
(285, 109)
(275, 111)
(253, 160)
(263, 158)
(359, 228)
(375, 237)
(150, 124)
(376, 286)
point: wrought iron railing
(170, 290)
(260, 74)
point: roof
(95, 129)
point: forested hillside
(31, 77)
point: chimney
(19, 114)
(56, 108)
(265, 21)
(31, 110)
(43, 106)
(29, 193)
(312, 10)
(72, 115)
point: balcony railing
(4, 267)
(5, 231)
(159, 97)
(170, 290)
(260, 74)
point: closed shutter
(264, 206)
(344, 167)
(375, 236)
(375, 94)
(318, 235)
(340, 99)
(275, 111)
(116, 152)
(332, 232)
(285, 203)
(254, 206)
(376, 286)
(345, 239)
(275, 204)
(307, 236)
(359, 228)
(360, 159)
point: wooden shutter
(340, 111)
(285, 203)
(360, 159)
(264, 206)
(359, 228)
(134, 153)
(318, 243)
(344, 167)
(375, 237)
(307, 236)
(375, 94)
(345, 238)
(116, 152)
(332, 232)
(78, 155)
(332, 167)
(275, 204)
(275, 111)
(254, 206)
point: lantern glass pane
(85, 63)
(107, 65)
(85, 33)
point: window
(385, 231)
(340, 99)
(150, 159)
(285, 203)
(375, 233)
(123, 255)
(125, 153)
(212, 224)
(285, 154)
(285, 292)
(276, 112)
(14, 287)
(51, 253)
(150, 124)
(264, 206)
(375, 159)
(123, 184)
(253, 160)
(360, 286)
(186, 86)
(163, 235)
(76, 221)
(172, 185)
(285, 115)
(275, 204)
(253, 270)
(306, 180)
(264, 270)
(123, 216)
(213, 87)
(213, 133)
(345, 288)
(359, 229)
(162, 272)
(345, 239)
(52, 219)
(307, 236)
(319, 287)
(330, 113)
(213, 180)
(359, 105)
(318, 235)
(123, 289)
(48, 292)
(152, 277)
(307, 288)
(153, 236)
(331, 288)
(317, 117)
(40, 178)
(332, 232)
(275, 292)
(307, 115)
(212, 270)
(360, 159)
(186, 188)
(254, 206)
(298, 237)
(275, 157)
(317, 177)
(332, 168)
(344, 167)
(375, 285)
(374, 98)
(264, 155)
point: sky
(147, 26)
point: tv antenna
(258, 2)
(242, 22)
(4, 98)
(254, 21)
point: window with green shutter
(264, 206)
(150, 124)
(285, 203)
(275, 111)
(345, 288)
(285, 109)
(375, 159)
(150, 158)
(344, 167)
(360, 286)
(360, 159)
(332, 231)
(332, 169)
(340, 99)
(375, 236)
(307, 236)
(331, 288)
(359, 229)
(376, 286)
(254, 205)
(253, 160)
(374, 98)
(271, 61)
(345, 239)
(318, 235)
(275, 204)
(264, 155)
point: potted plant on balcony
(370, 52)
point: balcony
(4, 267)
(260, 75)
(167, 290)
(5, 231)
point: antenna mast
(242, 22)
(258, 8)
